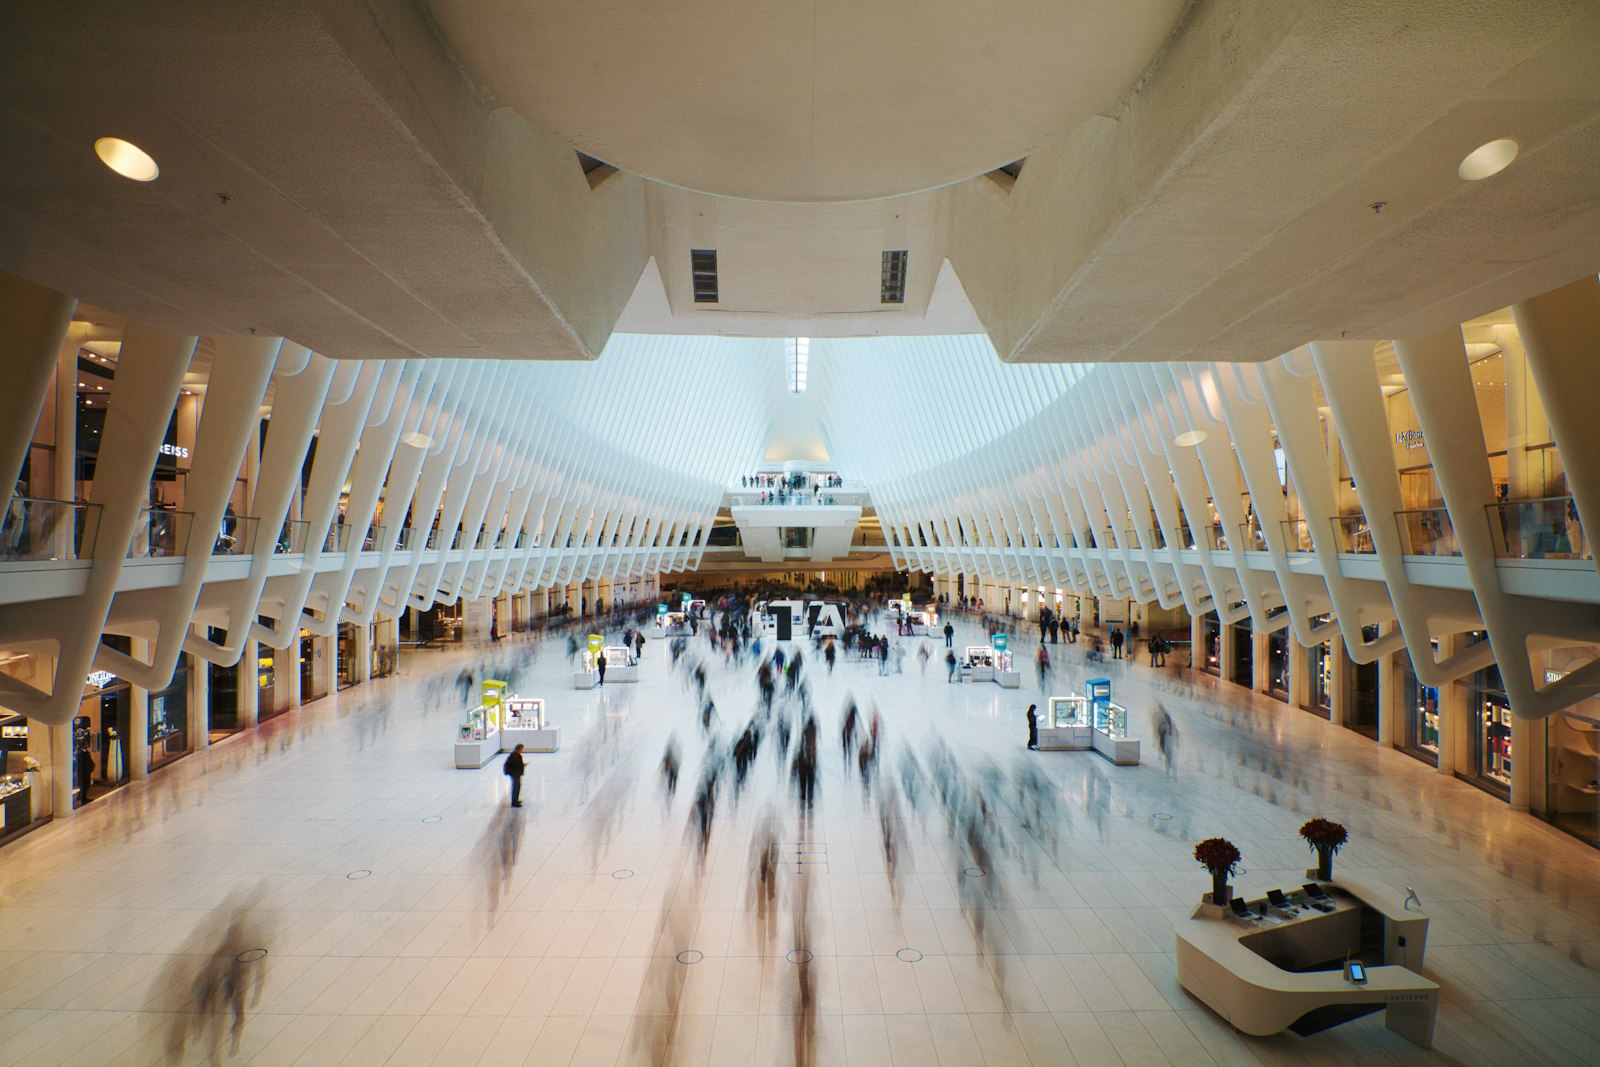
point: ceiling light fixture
(1487, 160)
(1189, 438)
(127, 159)
(417, 440)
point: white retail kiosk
(1084, 722)
(523, 723)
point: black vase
(1324, 864)
(1219, 888)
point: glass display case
(478, 736)
(979, 656)
(16, 802)
(1111, 719)
(1068, 711)
(524, 713)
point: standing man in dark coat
(600, 665)
(513, 768)
(949, 636)
(1033, 727)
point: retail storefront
(1241, 669)
(1362, 690)
(385, 646)
(1489, 721)
(103, 727)
(1278, 664)
(1319, 697)
(270, 700)
(169, 718)
(349, 663)
(1419, 710)
(1210, 658)
(222, 693)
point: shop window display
(1320, 701)
(169, 719)
(1241, 670)
(1278, 664)
(1573, 792)
(1363, 691)
(1420, 709)
(1211, 644)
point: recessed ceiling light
(417, 440)
(1487, 160)
(1189, 438)
(127, 159)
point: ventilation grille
(893, 286)
(703, 263)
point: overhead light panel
(417, 440)
(127, 159)
(1189, 438)
(1487, 160)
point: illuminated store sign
(101, 679)
(1410, 438)
(176, 451)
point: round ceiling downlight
(127, 159)
(1189, 438)
(1487, 160)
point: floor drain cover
(691, 955)
(431, 818)
(1161, 815)
(973, 872)
(250, 955)
(356, 876)
(908, 955)
(800, 955)
(623, 873)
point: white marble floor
(367, 866)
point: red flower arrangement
(1217, 855)
(1323, 834)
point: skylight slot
(798, 350)
(893, 285)
(703, 264)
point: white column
(1455, 717)
(1260, 663)
(249, 686)
(199, 704)
(58, 763)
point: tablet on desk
(1355, 972)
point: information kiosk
(1312, 958)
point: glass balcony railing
(1216, 538)
(1427, 532)
(1352, 534)
(1130, 539)
(236, 537)
(161, 533)
(1252, 538)
(1157, 538)
(292, 537)
(1297, 535)
(1186, 539)
(36, 529)
(337, 539)
(1546, 528)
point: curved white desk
(1217, 964)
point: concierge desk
(1287, 973)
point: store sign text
(1410, 438)
(176, 451)
(101, 679)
